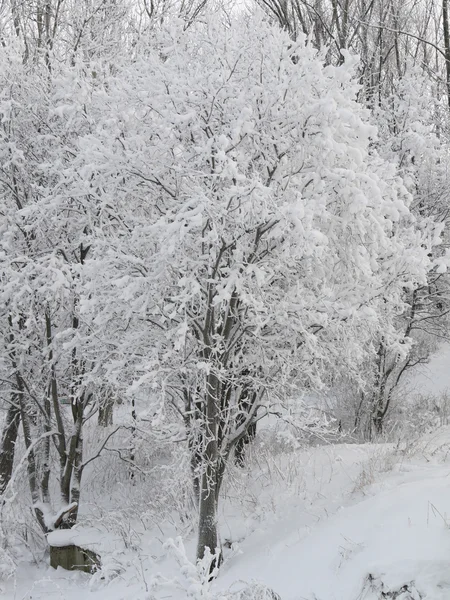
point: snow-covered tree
(411, 136)
(250, 241)
(46, 238)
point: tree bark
(446, 47)
(241, 445)
(31, 467)
(208, 536)
(105, 412)
(8, 444)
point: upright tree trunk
(379, 411)
(208, 536)
(105, 412)
(378, 422)
(446, 47)
(377, 400)
(75, 485)
(133, 439)
(8, 443)
(31, 467)
(195, 462)
(241, 445)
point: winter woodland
(223, 249)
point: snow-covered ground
(359, 521)
(395, 528)
(365, 510)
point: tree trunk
(378, 422)
(196, 461)
(75, 487)
(208, 536)
(31, 467)
(8, 444)
(105, 412)
(446, 47)
(133, 439)
(241, 445)
(378, 412)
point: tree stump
(74, 558)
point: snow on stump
(68, 550)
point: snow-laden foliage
(245, 178)
(250, 242)
(205, 230)
(412, 137)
